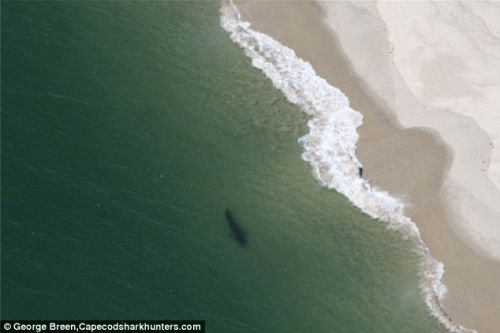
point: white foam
(330, 145)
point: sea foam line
(330, 145)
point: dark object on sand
(360, 171)
(239, 234)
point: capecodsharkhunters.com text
(103, 326)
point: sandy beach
(435, 65)
(437, 162)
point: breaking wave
(330, 145)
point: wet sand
(408, 163)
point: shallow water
(127, 130)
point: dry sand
(409, 163)
(437, 65)
(448, 53)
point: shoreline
(417, 178)
(467, 187)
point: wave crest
(330, 145)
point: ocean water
(128, 128)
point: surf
(330, 145)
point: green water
(127, 129)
